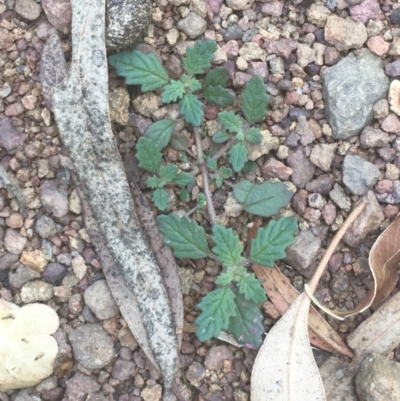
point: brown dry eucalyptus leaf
(383, 260)
(285, 369)
(380, 333)
(27, 350)
(163, 254)
(282, 294)
(53, 68)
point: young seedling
(234, 304)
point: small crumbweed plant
(234, 304)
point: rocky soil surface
(332, 69)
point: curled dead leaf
(285, 369)
(283, 294)
(383, 260)
(27, 349)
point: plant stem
(224, 148)
(331, 249)
(204, 173)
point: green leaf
(217, 76)
(148, 154)
(246, 326)
(238, 156)
(219, 95)
(160, 132)
(271, 242)
(253, 135)
(212, 164)
(249, 167)
(230, 121)
(160, 198)
(179, 141)
(175, 90)
(183, 179)
(199, 57)
(251, 287)
(194, 85)
(255, 100)
(201, 201)
(191, 109)
(152, 182)
(225, 172)
(220, 137)
(168, 172)
(263, 200)
(184, 195)
(225, 278)
(139, 68)
(184, 236)
(227, 246)
(216, 309)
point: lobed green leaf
(160, 198)
(255, 100)
(263, 200)
(219, 95)
(251, 287)
(220, 137)
(271, 242)
(175, 90)
(139, 68)
(184, 195)
(212, 164)
(199, 57)
(217, 307)
(160, 132)
(183, 179)
(191, 109)
(184, 236)
(227, 246)
(168, 172)
(148, 154)
(253, 135)
(217, 76)
(230, 121)
(152, 182)
(225, 278)
(246, 325)
(238, 156)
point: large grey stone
(359, 175)
(350, 88)
(378, 379)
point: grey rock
(303, 169)
(193, 25)
(373, 138)
(340, 198)
(339, 286)
(54, 273)
(28, 9)
(302, 254)
(80, 385)
(233, 32)
(14, 242)
(24, 395)
(64, 258)
(45, 227)
(378, 379)
(7, 260)
(367, 222)
(127, 22)
(59, 14)
(54, 199)
(350, 89)
(359, 175)
(123, 370)
(195, 373)
(393, 69)
(99, 299)
(216, 356)
(322, 185)
(92, 346)
(22, 275)
(36, 291)
(392, 197)
(10, 139)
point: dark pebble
(285, 85)
(54, 273)
(312, 69)
(233, 32)
(322, 185)
(395, 17)
(292, 140)
(320, 37)
(7, 260)
(63, 176)
(249, 34)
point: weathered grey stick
(81, 111)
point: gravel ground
(332, 137)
